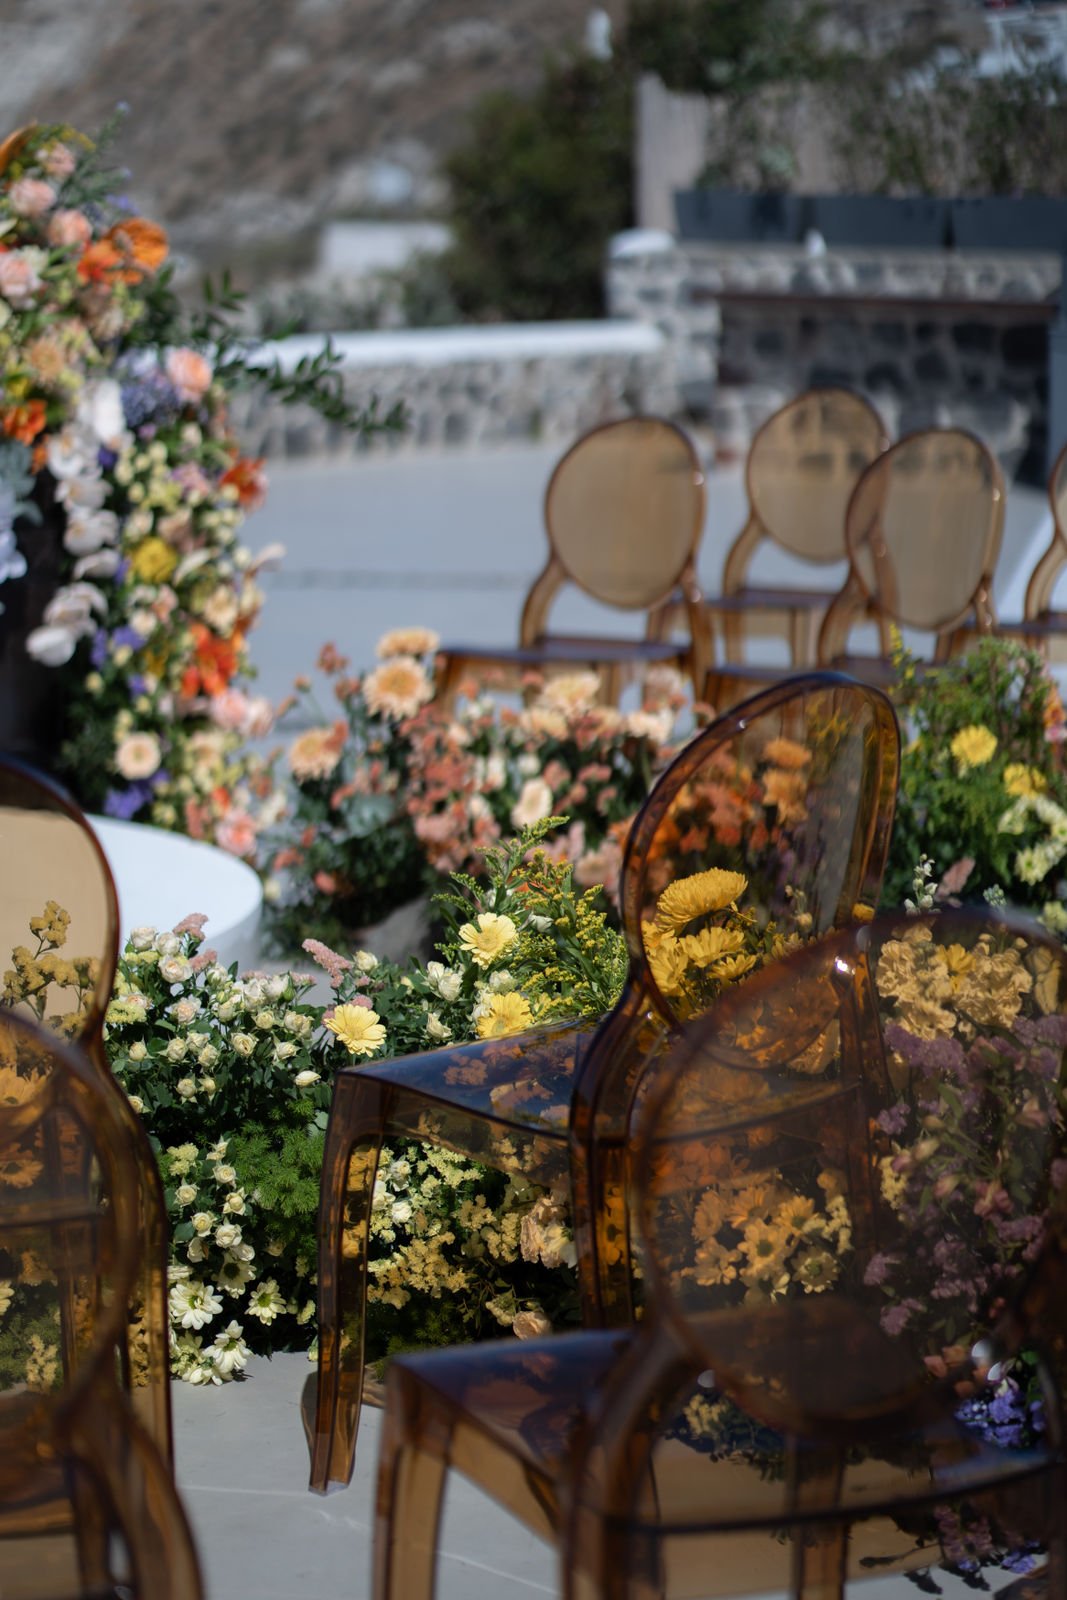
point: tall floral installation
(129, 597)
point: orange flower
(24, 422)
(141, 245)
(248, 478)
(100, 262)
(214, 664)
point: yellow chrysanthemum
(734, 967)
(688, 898)
(1021, 780)
(359, 1029)
(153, 561)
(973, 746)
(668, 964)
(786, 753)
(711, 944)
(487, 938)
(504, 1014)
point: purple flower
(148, 399)
(98, 649)
(895, 1120)
(136, 684)
(125, 635)
(125, 803)
(106, 458)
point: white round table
(163, 877)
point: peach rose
(31, 197)
(190, 374)
(138, 756)
(236, 833)
(19, 279)
(68, 228)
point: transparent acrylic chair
(802, 466)
(845, 1173)
(624, 516)
(87, 1503)
(49, 853)
(923, 530)
(1042, 625)
(795, 791)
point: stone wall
(475, 386)
(931, 336)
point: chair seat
(712, 1464)
(753, 598)
(562, 648)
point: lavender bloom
(98, 649)
(149, 397)
(126, 636)
(124, 804)
(895, 1120)
(106, 458)
(136, 684)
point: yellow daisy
(487, 938)
(359, 1029)
(973, 746)
(504, 1014)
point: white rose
(534, 803)
(305, 1079)
(142, 938)
(186, 1088)
(243, 1043)
(202, 1222)
(138, 1050)
(175, 969)
(364, 961)
(185, 1194)
(176, 1050)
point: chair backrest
(73, 1460)
(64, 971)
(1050, 564)
(846, 1169)
(802, 466)
(923, 528)
(624, 514)
(59, 934)
(785, 806)
(770, 826)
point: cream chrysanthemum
(687, 898)
(359, 1029)
(397, 688)
(314, 754)
(407, 642)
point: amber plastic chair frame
(875, 590)
(615, 660)
(593, 1068)
(564, 1432)
(22, 788)
(78, 1465)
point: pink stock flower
(193, 923)
(332, 963)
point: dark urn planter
(1006, 222)
(876, 221)
(729, 216)
(32, 720)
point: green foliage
(720, 48)
(950, 131)
(981, 751)
(538, 187)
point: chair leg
(350, 1164)
(820, 1550)
(411, 1482)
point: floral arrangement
(392, 793)
(232, 1076)
(119, 472)
(983, 793)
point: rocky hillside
(249, 117)
(256, 119)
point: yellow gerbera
(153, 561)
(692, 897)
(359, 1029)
(1021, 780)
(504, 1014)
(487, 938)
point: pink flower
(190, 374)
(193, 923)
(259, 719)
(58, 161)
(68, 228)
(334, 964)
(31, 197)
(237, 833)
(19, 280)
(229, 710)
(205, 959)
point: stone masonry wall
(931, 337)
(484, 392)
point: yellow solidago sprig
(698, 940)
(36, 975)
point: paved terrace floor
(450, 541)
